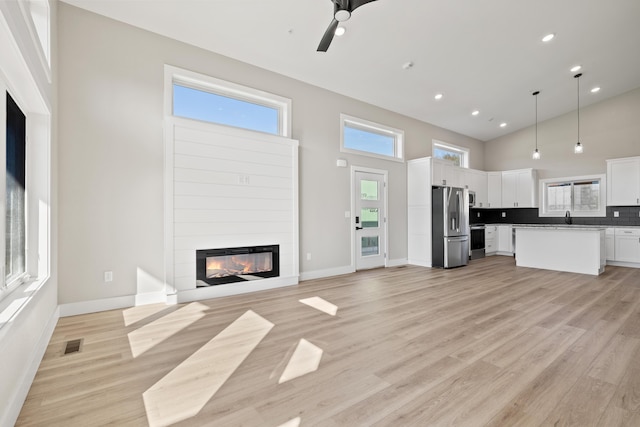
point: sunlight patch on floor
(148, 336)
(292, 423)
(321, 304)
(184, 391)
(304, 360)
(135, 314)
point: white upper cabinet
(494, 189)
(623, 182)
(478, 183)
(442, 173)
(519, 189)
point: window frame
(602, 198)
(205, 83)
(463, 151)
(374, 128)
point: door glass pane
(368, 190)
(369, 217)
(370, 246)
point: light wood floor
(489, 344)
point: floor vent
(72, 346)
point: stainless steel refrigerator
(450, 227)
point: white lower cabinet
(610, 244)
(627, 245)
(490, 239)
(505, 240)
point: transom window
(199, 97)
(459, 156)
(372, 139)
(580, 196)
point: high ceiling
(485, 55)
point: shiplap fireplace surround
(227, 188)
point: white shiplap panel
(231, 241)
(231, 191)
(221, 152)
(222, 215)
(238, 228)
(238, 166)
(230, 178)
(197, 202)
(267, 144)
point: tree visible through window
(459, 156)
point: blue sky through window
(210, 107)
(370, 142)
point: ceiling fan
(342, 10)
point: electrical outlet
(108, 276)
(478, 214)
(504, 214)
(616, 214)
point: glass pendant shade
(536, 154)
(578, 148)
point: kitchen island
(575, 249)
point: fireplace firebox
(229, 265)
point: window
(581, 196)
(372, 139)
(199, 97)
(458, 155)
(15, 215)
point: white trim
(329, 272)
(13, 408)
(195, 80)
(97, 305)
(397, 262)
(385, 174)
(235, 289)
(398, 135)
(623, 264)
(466, 152)
(602, 212)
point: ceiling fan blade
(328, 36)
(354, 4)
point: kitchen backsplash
(628, 216)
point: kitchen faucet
(567, 217)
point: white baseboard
(419, 263)
(234, 289)
(151, 298)
(12, 411)
(95, 306)
(329, 272)
(397, 262)
(623, 264)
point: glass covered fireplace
(229, 265)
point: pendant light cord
(537, 121)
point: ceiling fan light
(340, 31)
(342, 15)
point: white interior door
(370, 219)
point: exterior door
(370, 220)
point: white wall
(111, 158)
(29, 313)
(609, 129)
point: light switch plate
(504, 214)
(616, 214)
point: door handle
(359, 228)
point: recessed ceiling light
(548, 37)
(503, 125)
(438, 96)
(595, 89)
(475, 112)
(340, 31)
(576, 68)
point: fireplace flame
(233, 265)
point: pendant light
(536, 152)
(578, 148)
